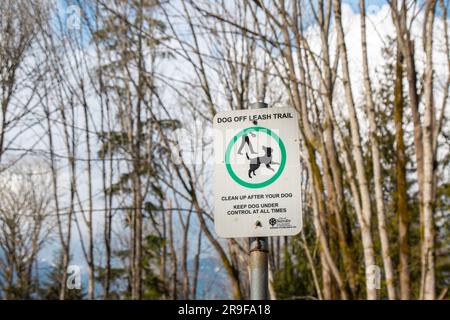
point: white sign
(257, 173)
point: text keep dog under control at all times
(257, 173)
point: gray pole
(259, 273)
(259, 249)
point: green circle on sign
(268, 181)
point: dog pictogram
(266, 159)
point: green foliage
(50, 289)
(443, 236)
(293, 280)
(153, 286)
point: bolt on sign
(257, 173)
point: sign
(257, 173)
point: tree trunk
(401, 192)
(376, 161)
(369, 255)
(428, 287)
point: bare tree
(18, 76)
(25, 228)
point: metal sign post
(259, 251)
(259, 268)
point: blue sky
(355, 4)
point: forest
(106, 146)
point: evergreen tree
(50, 287)
(131, 36)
